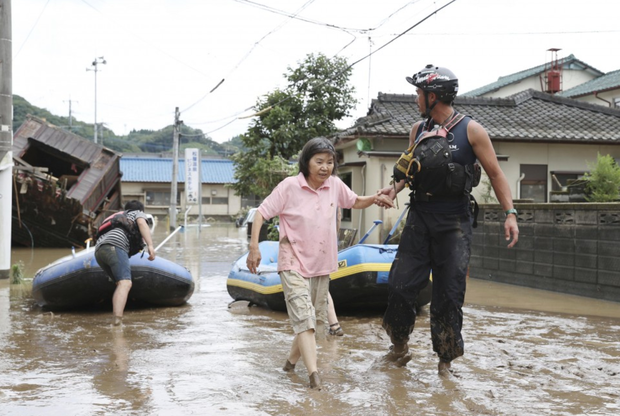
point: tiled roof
(569, 62)
(527, 116)
(609, 81)
(140, 169)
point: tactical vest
(428, 167)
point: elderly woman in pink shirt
(307, 206)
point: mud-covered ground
(528, 352)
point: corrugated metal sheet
(140, 169)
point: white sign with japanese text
(192, 179)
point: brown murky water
(528, 352)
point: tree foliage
(603, 180)
(317, 95)
(258, 176)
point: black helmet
(436, 79)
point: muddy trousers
(441, 243)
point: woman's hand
(254, 259)
(384, 201)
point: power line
(348, 67)
(251, 50)
(403, 33)
(568, 32)
(296, 16)
(33, 27)
(319, 23)
(346, 30)
(143, 40)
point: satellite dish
(364, 145)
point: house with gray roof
(573, 73)
(604, 90)
(148, 179)
(542, 141)
(574, 79)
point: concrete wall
(569, 248)
(606, 98)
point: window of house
(214, 200)
(220, 200)
(159, 198)
(565, 179)
(534, 183)
(617, 102)
(132, 197)
(347, 179)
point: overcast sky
(162, 54)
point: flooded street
(527, 352)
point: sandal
(337, 331)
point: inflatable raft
(77, 281)
(360, 283)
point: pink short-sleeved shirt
(308, 240)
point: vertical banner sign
(192, 179)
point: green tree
(317, 95)
(603, 180)
(259, 175)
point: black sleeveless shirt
(462, 153)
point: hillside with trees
(137, 141)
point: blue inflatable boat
(359, 284)
(77, 281)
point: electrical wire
(349, 66)
(403, 33)
(143, 40)
(346, 30)
(295, 16)
(33, 27)
(319, 23)
(280, 26)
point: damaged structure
(63, 186)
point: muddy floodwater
(527, 352)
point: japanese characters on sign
(192, 179)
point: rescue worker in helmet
(438, 230)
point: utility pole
(6, 137)
(70, 116)
(175, 168)
(96, 63)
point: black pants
(441, 243)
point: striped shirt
(117, 236)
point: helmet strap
(429, 108)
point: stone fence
(563, 247)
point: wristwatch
(511, 211)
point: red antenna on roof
(551, 79)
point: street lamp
(95, 64)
